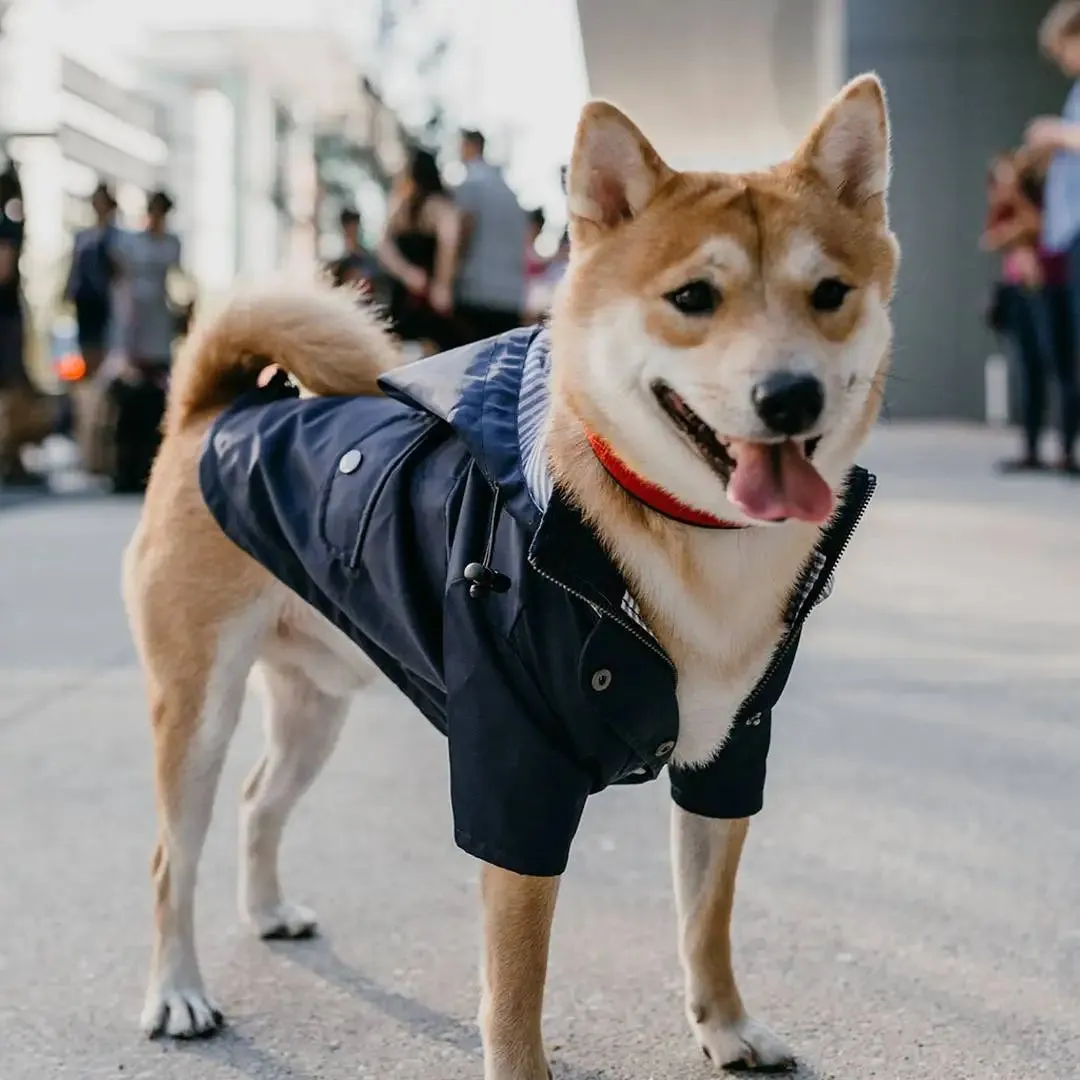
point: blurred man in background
(94, 269)
(490, 284)
(355, 266)
(90, 288)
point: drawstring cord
(483, 578)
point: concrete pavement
(909, 898)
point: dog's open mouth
(767, 481)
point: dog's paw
(284, 921)
(180, 1013)
(742, 1045)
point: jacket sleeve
(517, 797)
(732, 784)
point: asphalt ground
(909, 903)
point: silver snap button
(350, 461)
(665, 748)
(601, 679)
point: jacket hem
(496, 856)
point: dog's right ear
(614, 171)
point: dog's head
(728, 335)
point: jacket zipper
(604, 613)
(785, 642)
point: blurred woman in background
(419, 253)
(1031, 306)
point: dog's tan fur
(203, 613)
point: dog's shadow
(318, 957)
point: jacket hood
(477, 390)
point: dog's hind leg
(303, 722)
(195, 705)
(705, 858)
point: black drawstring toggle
(484, 579)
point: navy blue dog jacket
(425, 525)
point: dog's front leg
(705, 858)
(517, 928)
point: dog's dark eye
(829, 294)
(695, 298)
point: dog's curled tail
(320, 335)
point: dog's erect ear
(849, 147)
(614, 171)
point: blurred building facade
(260, 135)
(66, 125)
(242, 162)
(732, 84)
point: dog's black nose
(788, 403)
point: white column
(259, 219)
(214, 221)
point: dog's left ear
(849, 147)
(614, 171)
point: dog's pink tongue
(774, 481)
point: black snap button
(665, 748)
(601, 679)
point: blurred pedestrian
(349, 220)
(1059, 37)
(1031, 309)
(491, 276)
(153, 320)
(95, 266)
(91, 289)
(534, 261)
(560, 261)
(542, 292)
(356, 266)
(535, 265)
(149, 258)
(22, 421)
(419, 252)
(12, 370)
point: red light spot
(71, 367)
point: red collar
(656, 498)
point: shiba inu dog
(585, 553)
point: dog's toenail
(698, 1013)
(707, 1052)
